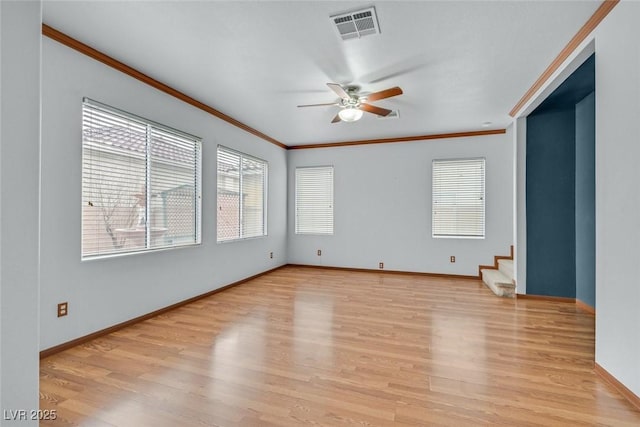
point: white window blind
(314, 200)
(242, 183)
(458, 198)
(140, 184)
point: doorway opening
(560, 190)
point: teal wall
(551, 262)
(585, 200)
(560, 191)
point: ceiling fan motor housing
(352, 105)
(353, 101)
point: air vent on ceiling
(394, 114)
(356, 24)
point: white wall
(105, 292)
(382, 206)
(617, 194)
(19, 151)
(617, 198)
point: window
(140, 184)
(314, 200)
(242, 183)
(458, 198)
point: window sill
(138, 252)
(241, 239)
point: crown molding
(399, 139)
(580, 36)
(93, 53)
(87, 50)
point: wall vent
(394, 114)
(356, 24)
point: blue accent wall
(585, 200)
(550, 177)
(560, 199)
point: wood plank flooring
(307, 346)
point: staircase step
(506, 267)
(499, 283)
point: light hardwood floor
(324, 347)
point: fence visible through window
(140, 184)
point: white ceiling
(460, 63)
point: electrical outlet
(63, 309)
(319, 252)
(271, 255)
(452, 258)
(381, 265)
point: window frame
(265, 193)
(484, 201)
(296, 185)
(150, 127)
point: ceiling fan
(352, 104)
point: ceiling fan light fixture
(350, 114)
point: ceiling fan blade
(318, 105)
(375, 110)
(336, 119)
(387, 93)
(338, 90)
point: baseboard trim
(581, 305)
(372, 270)
(621, 388)
(546, 298)
(81, 340)
(585, 307)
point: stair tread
(498, 282)
(497, 276)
